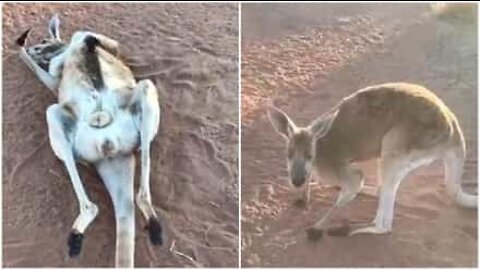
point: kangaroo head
(48, 48)
(301, 142)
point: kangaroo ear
(54, 27)
(281, 122)
(22, 40)
(320, 126)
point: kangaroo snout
(298, 173)
(298, 181)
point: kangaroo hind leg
(148, 118)
(395, 164)
(58, 127)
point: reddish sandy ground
(306, 58)
(190, 49)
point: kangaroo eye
(44, 41)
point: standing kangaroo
(102, 117)
(404, 125)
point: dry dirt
(304, 59)
(190, 49)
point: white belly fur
(123, 135)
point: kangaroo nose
(298, 173)
(298, 181)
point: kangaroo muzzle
(298, 173)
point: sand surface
(304, 59)
(190, 50)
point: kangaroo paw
(155, 231)
(75, 244)
(314, 234)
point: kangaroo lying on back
(404, 125)
(102, 117)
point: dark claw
(75, 244)
(300, 203)
(21, 40)
(155, 231)
(314, 234)
(339, 231)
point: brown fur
(366, 116)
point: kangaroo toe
(75, 244)
(155, 231)
(314, 234)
